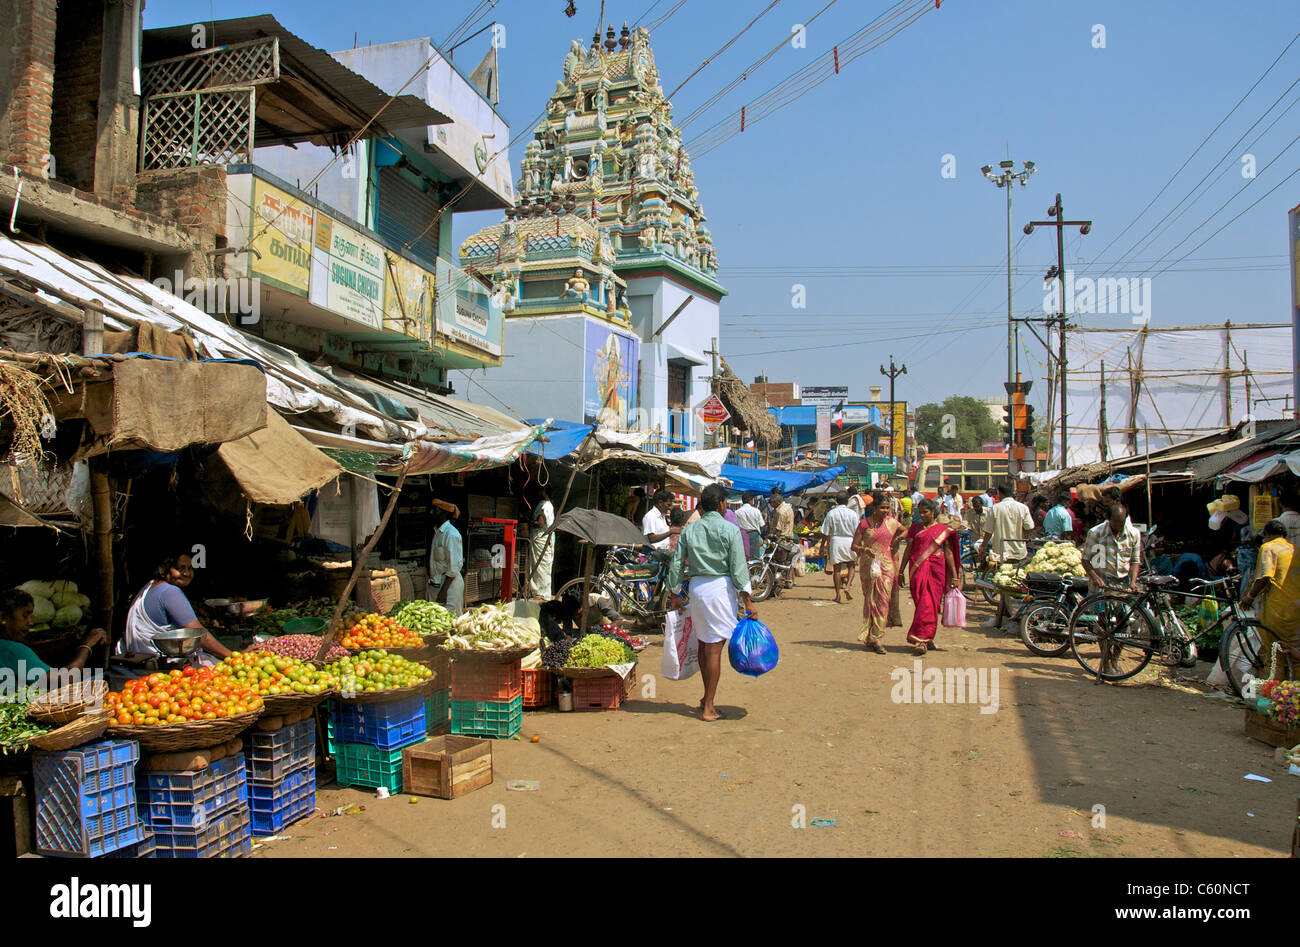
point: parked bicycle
(632, 581)
(1114, 633)
(1044, 619)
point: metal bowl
(245, 609)
(177, 644)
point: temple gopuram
(607, 241)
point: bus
(973, 473)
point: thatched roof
(748, 411)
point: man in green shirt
(711, 552)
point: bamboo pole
(331, 632)
(102, 507)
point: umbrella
(600, 528)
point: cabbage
(83, 601)
(61, 599)
(44, 610)
(37, 589)
(64, 585)
(67, 616)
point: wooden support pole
(102, 511)
(359, 563)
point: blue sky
(843, 191)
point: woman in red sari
(876, 546)
(928, 554)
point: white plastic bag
(681, 648)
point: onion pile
(302, 647)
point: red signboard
(713, 413)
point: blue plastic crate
(143, 849)
(263, 793)
(273, 755)
(487, 718)
(293, 799)
(228, 835)
(190, 799)
(85, 799)
(388, 726)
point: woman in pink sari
(876, 546)
(929, 557)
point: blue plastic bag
(752, 650)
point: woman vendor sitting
(162, 607)
(17, 609)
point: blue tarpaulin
(562, 439)
(762, 481)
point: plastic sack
(752, 649)
(1208, 614)
(954, 609)
(681, 657)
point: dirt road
(822, 738)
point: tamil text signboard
(347, 273)
(282, 234)
(823, 396)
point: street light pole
(1006, 179)
(893, 372)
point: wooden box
(1267, 730)
(447, 766)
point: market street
(822, 733)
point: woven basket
(67, 703)
(191, 735)
(288, 703)
(508, 656)
(384, 697)
(89, 726)
(587, 673)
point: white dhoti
(541, 584)
(715, 607)
(455, 600)
(840, 549)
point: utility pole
(1057, 213)
(1006, 179)
(893, 372)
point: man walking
(952, 503)
(1006, 525)
(710, 550)
(750, 520)
(838, 528)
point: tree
(960, 425)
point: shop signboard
(347, 273)
(609, 394)
(408, 297)
(827, 396)
(823, 428)
(465, 312)
(712, 413)
(282, 228)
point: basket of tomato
(382, 631)
(182, 709)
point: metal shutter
(405, 211)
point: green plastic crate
(499, 719)
(359, 764)
(437, 710)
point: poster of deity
(610, 388)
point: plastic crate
(539, 688)
(388, 726)
(437, 711)
(487, 718)
(227, 835)
(359, 764)
(188, 800)
(486, 681)
(599, 693)
(271, 808)
(272, 755)
(145, 848)
(85, 799)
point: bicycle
(1111, 625)
(1045, 618)
(636, 585)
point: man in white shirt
(750, 519)
(917, 497)
(1112, 551)
(838, 527)
(446, 559)
(1290, 517)
(1005, 526)
(543, 546)
(655, 523)
(952, 503)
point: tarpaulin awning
(762, 481)
(277, 465)
(485, 453)
(1264, 468)
(562, 438)
(599, 528)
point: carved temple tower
(607, 241)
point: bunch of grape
(557, 655)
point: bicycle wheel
(1111, 637)
(1045, 630)
(1239, 652)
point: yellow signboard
(900, 425)
(282, 233)
(408, 298)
